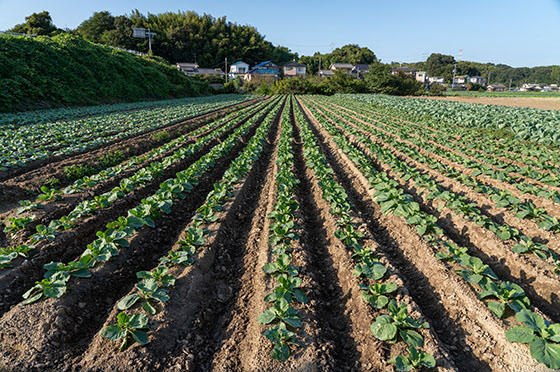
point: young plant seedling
(281, 338)
(53, 288)
(126, 328)
(398, 323)
(507, 293)
(280, 312)
(148, 292)
(159, 274)
(375, 294)
(416, 359)
(542, 337)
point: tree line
(442, 65)
(180, 37)
(188, 37)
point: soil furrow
(199, 291)
(475, 338)
(534, 275)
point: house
(496, 87)
(266, 66)
(530, 88)
(478, 80)
(403, 70)
(187, 68)
(359, 70)
(436, 80)
(209, 72)
(263, 71)
(325, 73)
(238, 69)
(460, 80)
(422, 77)
(294, 69)
(344, 67)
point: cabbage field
(284, 233)
(540, 126)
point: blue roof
(264, 71)
(238, 63)
(262, 64)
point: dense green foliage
(37, 24)
(378, 80)
(442, 65)
(67, 70)
(185, 37)
(351, 53)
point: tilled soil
(543, 103)
(210, 321)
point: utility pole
(489, 75)
(149, 42)
(454, 73)
(319, 65)
(510, 84)
(226, 72)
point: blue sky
(514, 32)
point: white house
(422, 77)
(460, 80)
(238, 69)
(436, 80)
(478, 80)
(294, 69)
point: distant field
(538, 102)
(503, 94)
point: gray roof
(341, 65)
(361, 67)
(209, 71)
(187, 64)
(325, 72)
(294, 64)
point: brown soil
(543, 103)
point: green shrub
(111, 158)
(160, 136)
(74, 172)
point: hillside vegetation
(66, 70)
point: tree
(380, 80)
(36, 24)
(121, 35)
(342, 82)
(440, 65)
(352, 53)
(555, 74)
(92, 29)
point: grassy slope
(66, 70)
